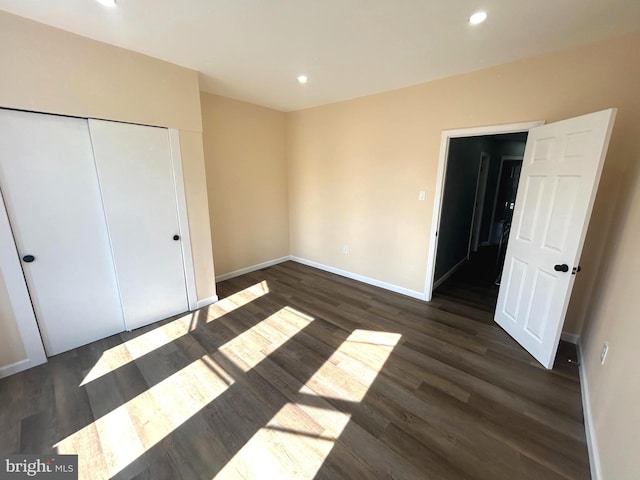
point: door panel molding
(551, 228)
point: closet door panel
(138, 189)
(50, 188)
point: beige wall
(195, 183)
(613, 317)
(48, 70)
(355, 169)
(244, 147)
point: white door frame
(11, 270)
(447, 135)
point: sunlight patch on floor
(161, 409)
(298, 439)
(364, 353)
(160, 336)
(292, 445)
(352, 368)
(277, 451)
(157, 411)
(255, 344)
(135, 348)
(237, 300)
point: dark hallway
(472, 289)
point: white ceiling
(253, 50)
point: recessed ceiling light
(107, 3)
(302, 79)
(477, 18)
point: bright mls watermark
(52, 467)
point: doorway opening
(562, 166)
(477, 182)
(479, 194)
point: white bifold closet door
(50, 189)
(136, 177)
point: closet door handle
(561, 268)
(176, 237)
(28, 258)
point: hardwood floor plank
(515, 437)
(299, 373)
(507, 419)
(10, 398)
(486, 388)
(36, 433)
(430, 463)
(72, 408)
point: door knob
(176, 237)
(561, 268)
(28, 258)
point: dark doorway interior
(471, 290)
(468, 272)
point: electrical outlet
(345, 249)
(603, 354)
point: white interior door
(560, 173)
(136, 176)
(52, 197)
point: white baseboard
(360, 278)
(570, 337)
(327, 268)
(16, 367)
(206, 301)
(252, 268)
(592, 444)
(443, 278)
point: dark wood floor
(298, 373)
(472, 291)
